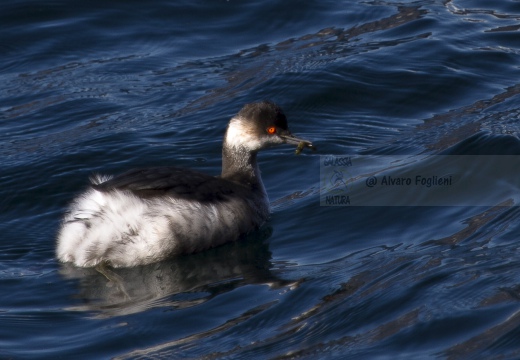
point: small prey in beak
(301, 144)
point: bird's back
(147, 215)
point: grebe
(147, 215)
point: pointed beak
(301, 143)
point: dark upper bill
(301, 143)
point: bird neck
(240, 165)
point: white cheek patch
(240, 135)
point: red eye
(271, 130)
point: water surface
(101, 87)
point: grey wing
(170, 181)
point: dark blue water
(107, 86)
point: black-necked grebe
(147, 215)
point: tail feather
(97, 179)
